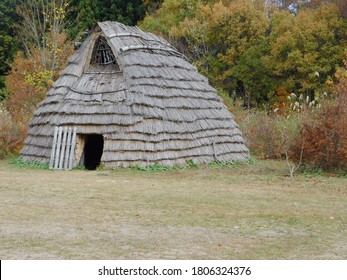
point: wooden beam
(72, 151)
(62, 150)
(68, 148)
(142, 47)
(56, 162)
(54, 144)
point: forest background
(279, 65)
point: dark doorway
(93, 151)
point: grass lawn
(244, 212)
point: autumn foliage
(274, 67)
(11, 136)
(322, 142)
(27, 84)
(253, 50)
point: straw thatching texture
(151, 107)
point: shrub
(268, 135)
(322, 141)
(26, 85)
(262, 136)
(11, 134)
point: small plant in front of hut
(79, 167)
(231, 164)
(159, 168)
(218, 164)
(191, 164)
(31, 164)
(154, 168)
(101, 167)
(252, 161)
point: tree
(218, 36)
(33, 71)
(340, 4)
(45, 45)
(81, 17)
(257, 78)
(127, 12)
(8, 41)
(170, 14)
(152, 5)
(86, 13)
(305, 49)
(41, 29)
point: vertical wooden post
(62, 151)
(54, 144)
(56, 163)
(72, 151)
(68, 148)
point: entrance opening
(93, 151)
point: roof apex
(124, 38)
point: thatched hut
(133, 100)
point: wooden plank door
(63, 148)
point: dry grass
(244, 212)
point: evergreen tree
(84, 14)
(127, 12)
(8, 41)
(80, 17)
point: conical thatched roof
(149, 104)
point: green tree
(307, 48)
(84, 14)
(256, 51)
(152, 5)
(128, 12)
(340, 4)
(257, 78)
(81, 16)
(170, 14)
(8, 41)
(218, 36)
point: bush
(262, 135)
(322, 141)
(268, 135)
(11, 134)
(26, 85)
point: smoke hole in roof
(103, 55)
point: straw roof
(148, 102)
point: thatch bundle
(138, 92)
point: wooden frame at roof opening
(102, 58)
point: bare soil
(243, 212)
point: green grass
(244, 211)
(32, 164)
(159, 168)
(192, 165)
